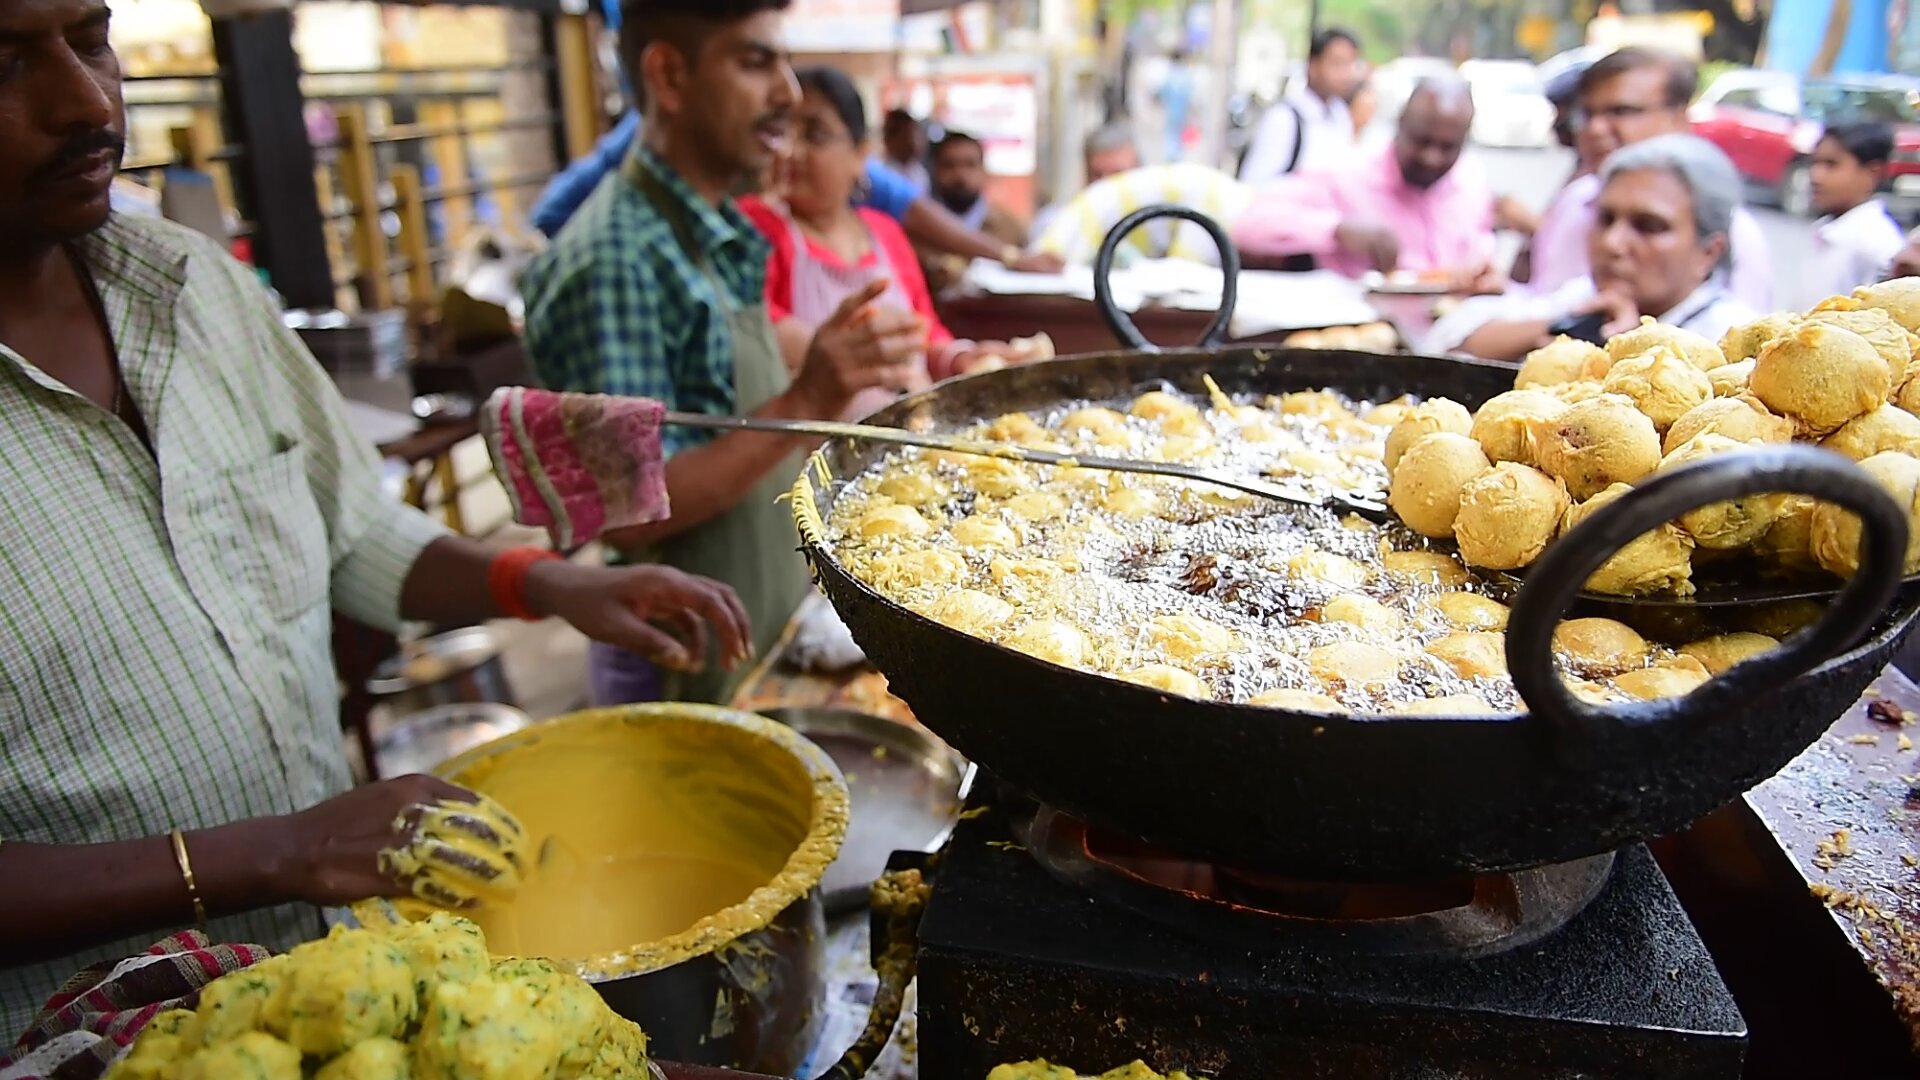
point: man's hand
(1907, 262)
(656, 611)
(1039, 262)
(1621, 312)
(1482, 279)
(330, 853)
(860, 346)
(1513, 215)
(1377, 245)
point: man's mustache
(78, 149)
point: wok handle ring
(1553, 582)
(1119, 322)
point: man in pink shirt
(1405, 207)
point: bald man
(1408, 206)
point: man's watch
(1010, 255)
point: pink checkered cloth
(577, 465)
(96, 1015)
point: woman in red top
(825, 249)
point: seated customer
(825, 249)
(1107, 151)
(1658, 247)
(959, 180)
(1407, 206)
(1077, 228)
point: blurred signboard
(842, 26)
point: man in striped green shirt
(184, 505)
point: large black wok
(1367, 797)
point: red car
(1769, 121)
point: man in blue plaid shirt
(655, 289)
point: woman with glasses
(825, 248)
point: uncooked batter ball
(1697, 350)
(1891, 340)
(1426, 487)
(1744, 342)
(1836, 532)
(1660, 561)
(1501, 426)
(1661, 383)
(1742, 419)
(1597, 443)
(1888, 427)
(1562, 360)
(1820, 376)
(1899, 298)
(1508, 516)
(1427, 418)
(1733, 523)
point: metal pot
(458, 667)
(419, 742)
(743, 987)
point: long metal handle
(834, 429)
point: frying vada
(1600, 646)
(1899, 298)
(1676, 678)
(1744, 342)
(1427, 418)
(1820, 376)
(1887, 427)
(1732, 523)
(1425, 491)
(1597, 443)
(1562, 360)
(1295, 700)
(1891, 340)
(1731, 379)
(1508, 515)
(1469, 611)
(1473, 655)
(1742, 419)
(1696, 350)
(1722, 651)
(1660, 383)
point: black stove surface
(1015, 965)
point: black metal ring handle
(1561, 573)
(1118, 321)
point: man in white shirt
(1310, 129)
(1856, 239)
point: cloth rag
(577, 465)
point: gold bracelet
(186, 874)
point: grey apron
(753, 546)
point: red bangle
(507, 580)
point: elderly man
(1658, 247)
(1108, 150)
(1625, 97)
(1408, 206)
(1311, 129)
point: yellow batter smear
(1043, 1070)
(459, 854)
(659, 832)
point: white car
(1510, 106)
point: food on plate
(418, 1001)
(1502, 425)
(1742, 419)
(1744, 342)
(1650, 334)
(1474, 655)
(1660, 383)
(1676, 678)
(1734, 523)
(1355, 664)
(1899, 298)
(1508, 515)
(1659, 561)
(1821, 377)
(1427, 418)
(1427, 484)
(1562, 360)
(1296, 700)
(1596, 444)
(1600, 646)
(1836, 532)
(1425, 568)
(1168, 678)
(1363, 611)
(1470, 611)
(1722, 651)
(1731, 379)
(1887, 427)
